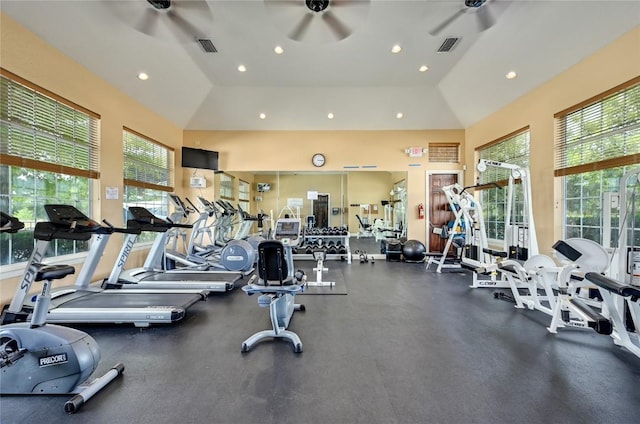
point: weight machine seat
(497, 253)
(319, 253)
(278, 291)
(510, 267)
(624, 290)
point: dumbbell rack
(313, 238)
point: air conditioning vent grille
(207, 45)
(448, 44)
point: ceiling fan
(482, 12)
(185, 20)
(318, 15)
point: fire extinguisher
(420, 211)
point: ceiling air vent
(448, 44)
(207, 45)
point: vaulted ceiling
(337, 61)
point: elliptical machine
(40, 358)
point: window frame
(444, 152)
(155, 192)
(493, 199)
(582, 206)
(226, 186)
(54, 129)
(244, 195)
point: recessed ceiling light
(242, 68)
(511, 75)
(330, 115)
(143, 76)
(399, 115)
(423, 68)
(262, 116)
(396, 49)
(278, 50)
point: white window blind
(600, 133)
(40, 130)
(244, 195)
(444, 153)
(147, 163)
(513, 148)
(226, 187)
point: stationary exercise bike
(40, 358)
(277, 284)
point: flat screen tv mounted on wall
(263, 187)
(199, 158)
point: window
(49, 150)
(513, 149)
(597, 141)
(399, 202)
(244, 195)
(226, 187)
(443, 153)
(148, 175)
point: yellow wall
(246, 152)
(617, 63)
(255, 151)
(344, 189)
(368, 188)
(32, 58)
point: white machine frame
(514, 276)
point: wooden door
(321, 210)
(439, 211)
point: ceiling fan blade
(485, 18)
(187, 31)
(341, 3)
(438, 29)
(340, 30)
(199, 6)
(300, 30)
(285, 2)
(148, 23)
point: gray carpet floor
(404, 345)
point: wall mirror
(372, 204)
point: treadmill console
(179, 204)
(205, 203)
(144, 220)
(288, 231)
(70, 216)
(9, 223)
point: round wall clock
(318, 160)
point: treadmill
(85, 304)
(152, 275)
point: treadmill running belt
(191, 276)
(106, 300)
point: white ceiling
(357, 78)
